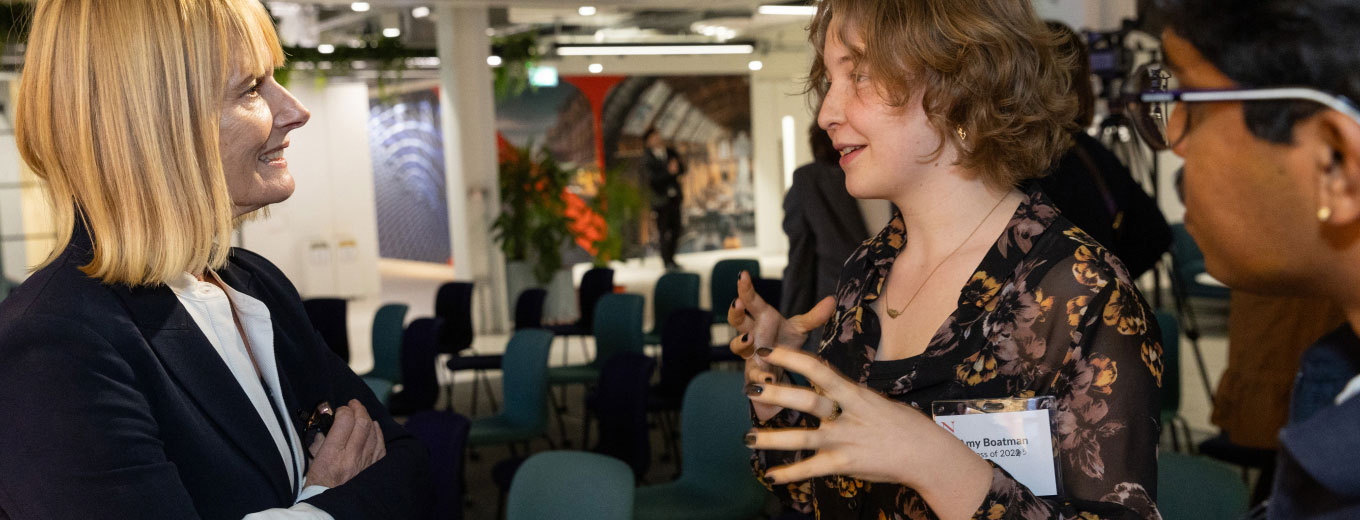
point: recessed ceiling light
(595, 68)
(586, 10)
(325, 48)
(391, 32)
(652, 50)
(790, 10)
(755, 65)
(420, 12)
(493, 60)
(359, 6)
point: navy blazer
(1315, 473)
(115, 405)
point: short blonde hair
(990, 67)
(119, 111)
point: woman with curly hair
(975, 289)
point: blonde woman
(976, 289)
(147, 369)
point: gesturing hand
(867, 436)
(355, 443)
(759, 325)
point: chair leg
(585, 426)
(558, 410)
(474, 394)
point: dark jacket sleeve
(800, 275)
(89, 447)
(396, 486)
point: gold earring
(1324, 213)
(963, 134)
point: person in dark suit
(824, 225)
(1095, 190)
(148, 369)
(664, 168)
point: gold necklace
(893, 314)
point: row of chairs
(715, 480)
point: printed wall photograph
(406, 143)
(595, 123)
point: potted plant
(532, 226)
(622, 205)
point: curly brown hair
(990, 67)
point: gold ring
(834, 413)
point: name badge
(1015, 434)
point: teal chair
(1171, 380)
(524, 384)
(388, 324)
(571, 485)
(715, 482)
(1194, 487)
(617, 328)
(674, 290)
(722, 284)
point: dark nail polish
(745, 337)
(768, 479)
(754, 389)
(764, 351)
(734, 304)
(749, 439)
(769, 379)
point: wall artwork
(596, 122)
(408, 173)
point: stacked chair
(420, 384)
(674, 290)
(388, 325)
(528, 315)
(617, 328)
(571, 485)
(715, 478)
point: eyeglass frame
(1333, 101)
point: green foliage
(518, 52)
(388, 53)
(623, 206)
(532, 226)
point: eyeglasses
(1153, 97)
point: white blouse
(211, 309)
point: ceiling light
(391, 32)
(493, 60)
(652, 50)
(420, 12)
(755, 65)
(790, 10)
(325, 48)
(359, 7)
(586, 10)
(595, 68)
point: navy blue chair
(619, 404)
(445, 435)
(596, 283)
(684, 354)
(420, 385)
(528, 315)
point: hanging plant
(518, 52)
(14, 23)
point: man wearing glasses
(1256, 97)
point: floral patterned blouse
(1048, 312)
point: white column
(468, 121)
